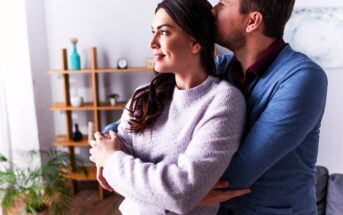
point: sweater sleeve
(293, 111)
(178, 187)
(124, 134)
(122, 126)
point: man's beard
(233, 42)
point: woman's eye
(165, 33)
(152, 31)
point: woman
(181, 131)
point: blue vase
(75, 63)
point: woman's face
(170, 44)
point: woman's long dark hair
(196, 19)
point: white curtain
(5, 140)
(5, 145)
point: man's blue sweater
(278, 155)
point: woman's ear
(195, 47)
(254, 22)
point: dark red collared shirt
(242, 79)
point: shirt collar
(267, 57)
(259, 67)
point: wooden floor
(87, 202)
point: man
(286, 95)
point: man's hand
(216, 195)
(122, 146)
(102, 181)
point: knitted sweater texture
(173, 165)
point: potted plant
(113, 98)
(34, 187)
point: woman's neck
(190, 78)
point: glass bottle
(77, 135)
(75, 63)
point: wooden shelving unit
(96, 106)
(62, 140)
(80, 175)
(89, 106)
(104, 70)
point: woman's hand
(103, 148)
(101, 179)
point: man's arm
(293, 111)
(112, 126)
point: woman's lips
(158, 57)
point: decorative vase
(113, 101)
(77, 135)
(75, 63)
(76, 101)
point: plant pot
(113, 101)
(18, 208)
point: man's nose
(214, 11)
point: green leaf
(3, 158)
(40, 187)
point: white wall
(38, 50)
(122, 29)
(316, 28)
(331, 142)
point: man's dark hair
(275, 14)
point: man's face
(230, 24)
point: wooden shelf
(106, 106)
(63, 106)
(62, 140)
(128, 70)
(89, 106)
(101, 70)
(82, 71)
(81, 176)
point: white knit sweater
(171, 167)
